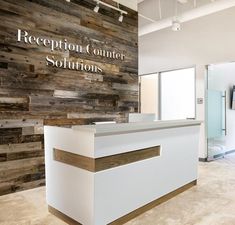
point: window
(171, 95)
(177, 94)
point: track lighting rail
(110, 6)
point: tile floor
(211, 202)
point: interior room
(117, 112)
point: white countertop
(120, 128)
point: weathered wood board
(33, 94)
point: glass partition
(216, 114)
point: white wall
(223, 79)
(206, 40)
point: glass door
(216, 118)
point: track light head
(97, 7)
(99, 2)
(120, 19)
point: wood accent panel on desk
(62, 216)
(107, 162)
(33, 94)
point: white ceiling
(132, 4)
(150, 9)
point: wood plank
(26, 92)
(25, 154)
(65, 94)
(77, 121)
(26, 175)
(107, 162)
(13, 103)
(62, 216)
(43, 114)
(76, 160)
(32, 138)
(86, 115)
(19, 165)
(10, 187)
(27, 130)
(13, 123)
(22, 147)
(121, 159)
(14, 171)
(10, 131)
(12, 139)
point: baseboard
(202, 159)
(132, 214)
(230, 152)
(219, 155)
(62, 216)
(216, 156)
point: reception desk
(110, 173)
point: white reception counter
(108, 174)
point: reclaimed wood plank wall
(33, 94)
